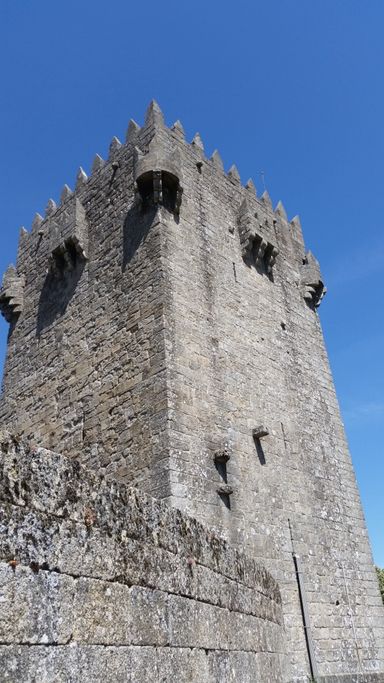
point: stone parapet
(101, 582)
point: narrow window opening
(234, 271)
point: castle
(177, 498)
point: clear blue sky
(294, 87)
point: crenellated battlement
(149, 148)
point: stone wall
(93, 379)
(99, 582)
(246, 349)
(169, 342)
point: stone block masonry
(164, 330)
(99, 582)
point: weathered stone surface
(161, 348)
(88, 562)
(11, 295)
(89, 663)
(48, 489)
(312, 282)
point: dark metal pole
(304, 610)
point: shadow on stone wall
(135, 230)
(260, 452)
(56, 294)
(259, 265)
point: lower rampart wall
(99, 582)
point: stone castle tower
(164, 333)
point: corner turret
(312, 281)
(11, 295)
(158, 176)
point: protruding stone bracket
(312, 285)
(225, 490)
(255, 248)
(260, 432)
(66, 256)
(222, 456)
(68, 238)
(264, 253)
(314, 294)
(12, 295)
